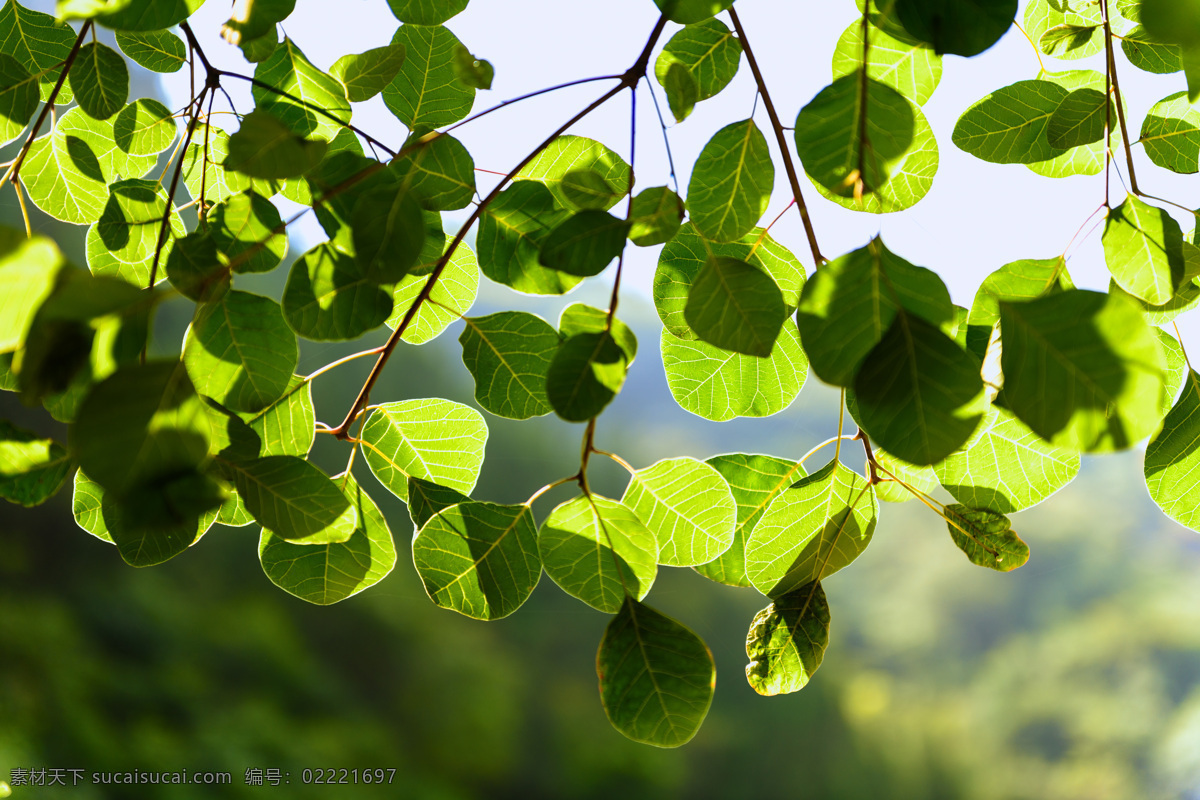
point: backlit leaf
(366, 74)
(100, 80)
(511, 232)
(1172, 457)
(157, 51)
(731, 182)
(240, 352)
(308, 89)
(1093, 353)
(1171, 134)
(584, 243)
(479, 559)
(735, 306)
(811, 530)
(688, 507)
(754, 481)
(986, 537)
(908, 66)
(708, 50)
(1143, 248)
(426, 91)
(435, 439)
(787, 640)
(597, 550)
(32, 468)
(577, 154)
(329, 296)
(295, 501)
(324, 574)
(509, 354)
(264, 148)
(656, 676)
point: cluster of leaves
(993, 403)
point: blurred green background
(1076, 677)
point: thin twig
(1116, 88)
(628, 80)
(14, 171)
(666, 140)
(793, 178)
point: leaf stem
(1111, 72)
(628, 467)
(343, 360)
(666, 140)
(165, 227)
(628, 80)
(549, 486)
(793, 179)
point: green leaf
(307, 89)
(1009, 126)
(655, 217)
(1071, 41)
(256, 19)
(1086, 159)
(583, 188)
(1177, 369)
(264, 148)
(329, 573)
(569, 155)
(850, 303)
(329, 297)
(918, 477)
(67, 172)
(584, 243)
(683, 258)
(961, 27)
(1008, 468)
(40, 43)
(149, 15)
(1014, 282)
(124, 240)
(597, 550)
(787, 641)
(32, 468)
(1171, 20)
(204, 166)
(479, 559)
(919, 394)
(157, 51)
(427, 91)
(986, 537)
(579, 318)
(656, 676)
(1079, 120)
(338, 182)
(366, 74)
(719, 385)
(436, 440)
(681, 90)
(471, 71)
(28, 272)
(440, 171)
(295, 501)
(196, 270)
(240, 352)
(141, 424)
(585, 374)
(710, 53)
(388, 231)
(145, 127)
(1186, 296)
(247, 229)
(1171, 134)
(425, 499)
(108, 520)
(811, 530)
(18, 98)
(1143, 248)
(908, 66)
(452, 296)
(890, 170)
(285, 428)
(426, 12)
(731, 182)
(511, 231)
(688, 507)
(1172, 456)
(509, 355)
(1041, 16)
(1146, 53)
(735, 306)
(100, 80)
(754, 481)
(689, 12)
(1098, 360)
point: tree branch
(1116, 88)
(793, 179)
(628, 81)
(14, 171)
